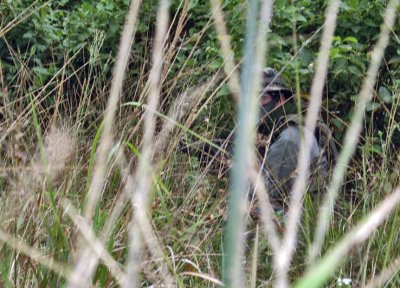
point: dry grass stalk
(39, 97)
(181, 106)
(21, 17)
(205, 277)
(182, 72)
(385, 275)
(95, 245)
(107, 135)
(141, 229)
(177, 33)
(178, 110)
(300, 184)
(197, 95)
(266, 211)
(226, 49)
(88, 261)
(354, 130)
(106, 141)
(21, 247)
(322, 270)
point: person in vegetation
(280, 126)
(278, 145)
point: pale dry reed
(320, 271)
(141, 230)
(83, 269)
(354, 130)
(230, 67)
(266, 211)
(289, 242)
(93, 242)
(37, 256)
(391, 271)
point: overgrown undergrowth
(52, 132)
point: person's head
(274, 91)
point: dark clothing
(279, 159)
(281, 162)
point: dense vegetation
(56, 60)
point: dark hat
(272, 82)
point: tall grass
(299, 186)
(105, 197)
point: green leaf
(345, 7)
(276, 40)
(353, 3)
(356, 61)
(337, 123)
(385, 94)
(216, 64)
(388, 187)
(223, 91)
(28, 34)
(301, 18)
(336, 39)
(375, 149)
(373, 106)
(346, 47)
(355, 71)
(41, 71)
(370, 22)
(339, 66)
(394, 60)
(350, 39)
(280, 4)
(335, 53)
